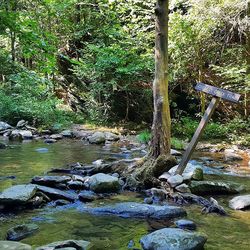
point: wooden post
(197, 135)
(217, 94)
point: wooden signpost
(217, 93)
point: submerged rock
(215, 187)
(21, 231)
(88, 195)
(103, 183)
(97, 138)
(240, 202)
(18, 195)
(173, 239)
(10, 245)
(140, 210)
(185, 224)
(67, 244)
(55, 194)
(49, 140)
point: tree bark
(161, 134)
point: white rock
(240, 202)
(175, 180)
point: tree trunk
(160, 144)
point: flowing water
(22, 161)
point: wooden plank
(214, 91)
(203, 123)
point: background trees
(99, 55)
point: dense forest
(93, 61)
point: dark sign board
(214, 91)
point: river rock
(67, 244)
(231, 156)
(173, 239)
(76, 185)
(164, 176)
(55, 194)
(240, 202)
(21, 124)
(103, 183)
(67, 133)
(175, 152)
(215, 187)
(183, 188)
(10, 245)
(97, 138)
(2, 146)
(185, 224)
(21, 231)
(111, 136)
(191, 171)
(49, 141)
(139, 210)
(4, 126)
(87, 195)
(175, 180)
(20, 135)
(19, 194)
(51, 181)
(56, 136)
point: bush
(27, 96)
(144, 136)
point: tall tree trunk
(160, 144)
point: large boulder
(97, 138)
(67, 244)
(173, 239)
(20, 232)
(139, 210)
(19, 194)
(215, 187)
(20, 135)
(11, 245)
(240, 202)
(4, 126)
(54, 193)
(103, 183)
(111, 136)
(191, 171)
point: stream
(22, 161)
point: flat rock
(185, 224)
(67, 244)
(97, 138)
(175, 180)
(54, 193)
(140, 210)
(173, 239)
(231, 156)
(18, 194)
(87, 195)
(10, 245)
(103, 183)
(67, 133)
(183, 188)
(240, 202)
(49, 140)
(56, 136)
(111, 136)
(20, 232)
(21, 135)
(50, 181)
(175, 152)
(215, 187)
(4, 126)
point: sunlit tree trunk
(160, 144)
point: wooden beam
(197, 135)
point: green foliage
(144, 136)
(27, 96)
(177, 143)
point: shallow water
(68, 222)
